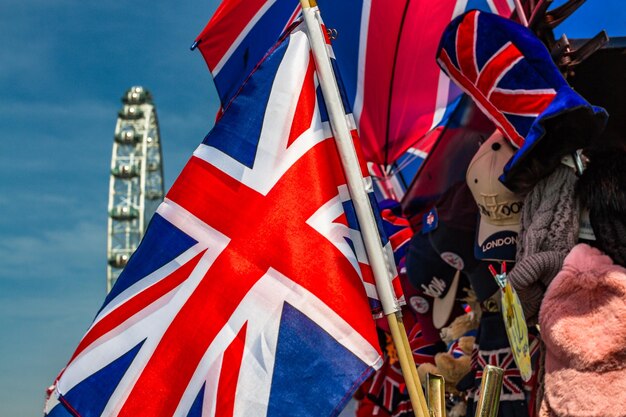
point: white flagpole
(359, 188)
(357, 185)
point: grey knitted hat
(549, 230)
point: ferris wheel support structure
(136, 180)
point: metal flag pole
(358, 187)
(490, 389)
(520, 12)
(436, 389)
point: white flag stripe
(206, 236)
(273, 157)
(153, 332)
(261, 310)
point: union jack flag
(246, 295)
(238, 36)
(388, 389)
(510, 75)
(512, 380)
(494, 72)
(423, 351)
(395, 101)
(513, 387)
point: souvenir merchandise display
(455, 362)
(496, 237)
(492, 348)
(440, 253)
(546, 179)
(384, 393)
(440, 259)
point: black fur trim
(602, 190)
(602, 187)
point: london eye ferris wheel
(136, 178)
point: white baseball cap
(500, 208)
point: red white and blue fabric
(384, 51)
(388, 390)
(238, 36)
(246, 295)
(455, 349)
(510, 75)
(513, 387)
(399, 233)
(386, 387)
(399, 93)
(387, 243)
(398, 229)
(424, 351)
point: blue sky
(64, 66)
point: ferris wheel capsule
(136, 178)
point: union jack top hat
(510, 75)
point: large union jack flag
(246, 296)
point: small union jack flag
(388, 389)
(489, 68)
(513, 387)
(511, 77)
(423, 351)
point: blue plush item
(510, 75)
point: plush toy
(462, 325)
(454, 364)
(450, 367)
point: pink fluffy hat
(583, 325)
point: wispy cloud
(85, 109)
(66, 254)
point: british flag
(510, 75)
(494, 72)
(238, 36)
(384, 51)
(513, 387)
(388, 389)
(511, 381)
(246, 295)
(424, 351)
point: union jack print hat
(510, 75)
